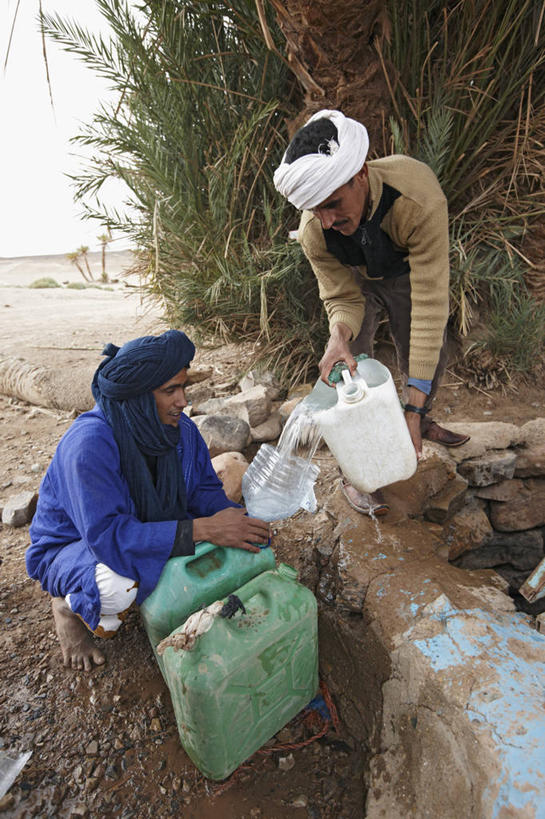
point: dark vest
(370, 245)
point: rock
(20, 509)
(269, 430)
(255, 404)
(533, 433)
(265, 379)
(135, 734)
(504, 491)
(526, 511)
(300, 801)
(286, 409)
(112, 772)
(530, 462)
(90, 783)
(230, 467)
(448, 501)
(155, 724)
(485, 435)
(300, 391)
(212, 406)
(432, 475)
(467, 530)
(79, 810)
(286, 763)
(489, 468)
(223, 433)
(92, 748)
(252, 406)
(522, 550)
(197, 374)
(198, 395)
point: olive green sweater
(417, 222)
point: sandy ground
(65, 325)
(106, 744)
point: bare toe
(78, 649)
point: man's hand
(337, 350)
(232, 527)
(417, 399)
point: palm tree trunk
(332, 50)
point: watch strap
(419, 410)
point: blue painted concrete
(506, 658)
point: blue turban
(122, 387)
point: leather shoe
(368, 503)
(433, 432)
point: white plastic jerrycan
(366, 431)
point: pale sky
(37, 212)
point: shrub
(43, 283)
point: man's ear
(363, 172)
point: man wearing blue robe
(130, 485)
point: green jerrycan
(247, 676)
(188, 583)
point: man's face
(343, 209)
(170, 398)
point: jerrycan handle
(263, 594)
(202, 549)
(352, 390)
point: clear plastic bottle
(277, 484)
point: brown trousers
(393, 296)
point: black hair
(312, 139)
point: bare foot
(78, 649)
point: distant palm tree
(83, 251)
(75, 259)
(104, 240)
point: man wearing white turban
(376, 236)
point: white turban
(309, 180)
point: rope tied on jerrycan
(199, 623)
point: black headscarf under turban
(122, 387)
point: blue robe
(85, 515)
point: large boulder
(489, 468)
(223, 433)
(485, 436)
(230, 467)
(252, 406)
(269, 430)
(264, 378)
(468, 529)
(522, 550)
(525, 511)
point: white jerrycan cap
(353, 389)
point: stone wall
(502, 522)
(434, 671)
